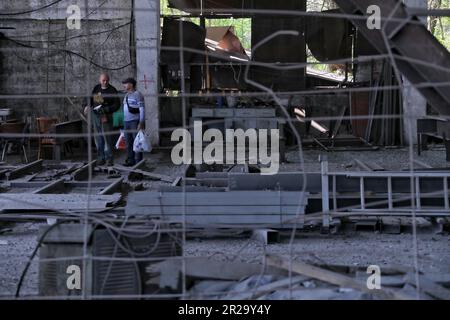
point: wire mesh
(120, 226)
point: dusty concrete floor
(362, 248)
(358, 249)
(354, 249)
(390, 159)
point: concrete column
(414, 104)
(147, 31)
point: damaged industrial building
(227, 149)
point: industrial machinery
(115, 262)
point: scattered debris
(210, 279)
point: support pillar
(414, 104)
(147, 32)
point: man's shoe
(128, 164)
(110, 163)
(100, 162)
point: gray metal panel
(231, 198)
(202, 113)
(426, 125)
(252, 220)
(233, 208)
(225, 113)
(211, 210)
(283, 181)
(66, 233)
(190, 189)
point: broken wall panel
(328, 38)
(282, 50)
(182, 40)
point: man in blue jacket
(134, 119)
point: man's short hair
(104, 74)
(130, 80)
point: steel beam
(83, 172)
(419, 56)
(114, 187)
(24, 170)
(53, 187)
(136, 176)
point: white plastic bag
(141, 143)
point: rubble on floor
(209, 279)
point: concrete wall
(47, 69)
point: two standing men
(102, 105)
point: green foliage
(440, 26)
